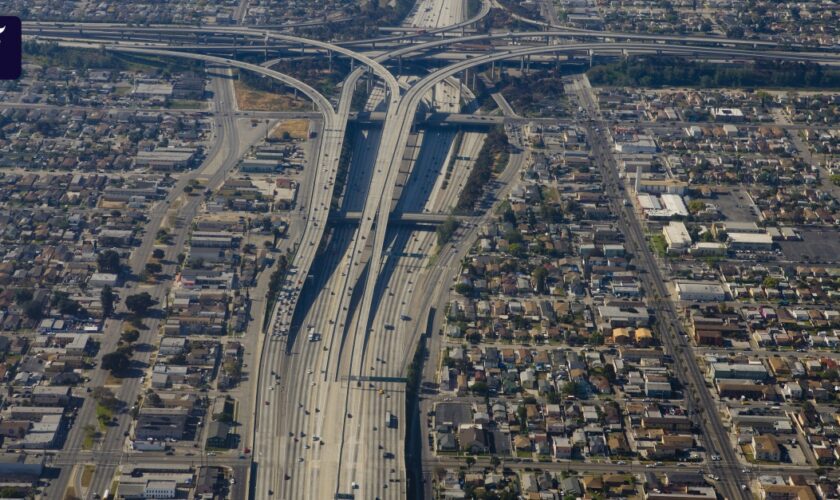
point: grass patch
(186, 104)
(251, 99)
(296, 129)
(103, 415)
(87, 476)
(658, 244)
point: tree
(139, 304)
(130, 336)
(696, 206)
(266, 224)
(116, 362)
(23, 295)
(108, 262)
(106, 398)
(540, 275)
(158, 253)
(70, 307)
(153, 399)
(34, 310)
(446, 230)
(154, 267)
(107, 298)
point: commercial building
(742, 371)
(696, 291)
(635, 145)
(677, 237)
(750, 241)
(165, 159)
(161, 423)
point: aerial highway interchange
(365, 289)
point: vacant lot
(297, 129)
(249, 99)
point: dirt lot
(297, 129)
(248, 99)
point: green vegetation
(672, 71)
(531, 94)
(103, 415)
(106, 404)
(456, 148)
(108, 262)
(139, 304)
(316, 72)
(492, 158)
(51, 55)
(66, 305)
(130, 336)
(274, 284)
(185, 104)
(446, 230)
(343, 168)
(658, 244)
(118, 361)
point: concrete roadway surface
(289, 369)
(714, 435)
(438, 13)
(267, 442)
(224, 149)
(314, 408)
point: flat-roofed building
(750, 241)
(700, 291)
(166, 159)
(677, 237)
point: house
(766, 448)
(561, 447)
(473, 440)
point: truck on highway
(313, 336)
(390, 421)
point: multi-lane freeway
(330, 371)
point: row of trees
(493, 153)
(672, 71)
